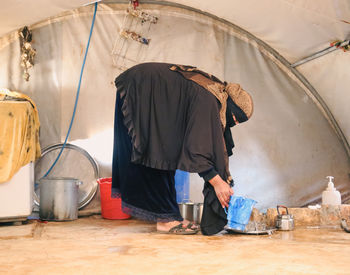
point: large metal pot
(191, 211)
(59, 199)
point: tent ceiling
(295, 28)
(15, 14)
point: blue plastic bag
(239, 211)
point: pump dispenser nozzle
(330, 183)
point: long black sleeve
(208, 174)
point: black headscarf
(234, 115)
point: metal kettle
(284, 221)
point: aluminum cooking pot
(186, 210)
(191, 211)
(59, 199)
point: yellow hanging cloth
(19, 133)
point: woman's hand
(222, 189)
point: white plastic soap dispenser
(331, 196)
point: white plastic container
(16, 195)
(331, 196)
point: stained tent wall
(282, 154)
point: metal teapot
(284, 221)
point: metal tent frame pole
(320, 53)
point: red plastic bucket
(111, 208)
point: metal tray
(267, 231)
(74, 162)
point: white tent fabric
(15, 14)
(282, 155)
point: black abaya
(163, 122)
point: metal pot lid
(75, 163)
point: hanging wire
(77, 94)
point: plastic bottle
(331, 196)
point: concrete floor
(93, 245)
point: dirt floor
(93, 245)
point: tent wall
(282, 154)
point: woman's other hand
(222, 189)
